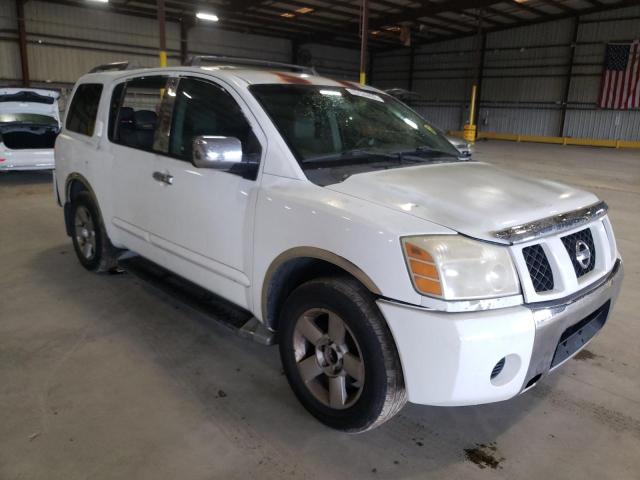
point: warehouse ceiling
(337, 22)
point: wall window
(84, 109)
(203, 108)
(140, 107)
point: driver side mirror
(222, 153)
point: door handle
(163, 177)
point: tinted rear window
(27, 96)
(84, 108)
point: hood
(472, 198)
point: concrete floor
(101, 377)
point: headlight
(454, 267)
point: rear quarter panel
(81, 157)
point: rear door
(202, 219)
(133, 128)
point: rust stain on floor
(585, 354)
(484, 455)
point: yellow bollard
(470, 129)
(469, 133)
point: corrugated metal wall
(443, 75)
(584, 118)
(65, 42)
(524, 78)
(335, 62)
(9, 53)
(212, 41)
(523, 82)
(391, 70)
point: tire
(90, 241)
(331, 384)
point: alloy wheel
(328, 358)
(85, 232)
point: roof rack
(200, 60)
(107, 67)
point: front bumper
(448, 358)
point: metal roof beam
(559, 5)
(528, 8)
(510, 16)
(477, 17)
(411, 14)
(548, 18)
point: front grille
(539, 268)
(572, 242)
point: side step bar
(256, 331)
(197, 298)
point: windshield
(331, 125)
(30, 118)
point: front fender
(298, 218)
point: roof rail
(200, 60)
(110, 66)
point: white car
(29, 124)
(387, 268)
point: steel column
(480, 75)
(364, 34)
(567, 85)
(22, 41)
(162, 34)
(185, 25)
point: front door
(202, 219)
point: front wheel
(339, 356)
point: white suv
(387, 268)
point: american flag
(620, 88)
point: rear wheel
(339, 355)
(90, 241)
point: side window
(84, 109)
(136, 120)
(202, 108)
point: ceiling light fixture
(304, 10)
(287, 15)
(210, 17)
(100, 1)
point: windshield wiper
(424, 149)
(353, 154)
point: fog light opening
(505, 370)
(498, 368)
